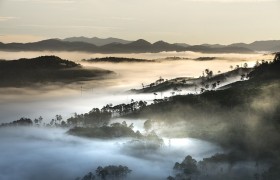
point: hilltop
(44, 69)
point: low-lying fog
(47, 101)
(42, 153)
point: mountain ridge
(138, 46)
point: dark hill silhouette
(139, 46)
(227, 49)
(164, 46)
(51, 45)
(97, 41)
(119, 60)
(44, 69)
(182, 44)
(270, 45)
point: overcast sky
(188, 21)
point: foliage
(116, 130)
(20, 122)
(112, 172)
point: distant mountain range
(114, 45)
(97, 41)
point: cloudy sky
(189, 21)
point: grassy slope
(192, 82)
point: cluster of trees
(100, 117)
(108, 172)
(209, 81)
(185, 170)
(94, 118)
(115, 130)
(266, 70)
(221, 166)
(21, 122)
(157, 82)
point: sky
(182, 21)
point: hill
(270, 45)
(210, 82)
(244, 117)
(44, 69)
(118, 60)
(97, 41)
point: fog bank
(42, 153)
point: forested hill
(42, 62)
(44, 69)
(244, 116)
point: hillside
(202, 83)
(244, 117)
(44, 69)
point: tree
(124, 123)
(131, 126)
(187, 167)
(202, 90)
(214, 85)
(148, 125)
(112, 171)
(243, 76)
(89, 176)
(209, 73)
(58, 118)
